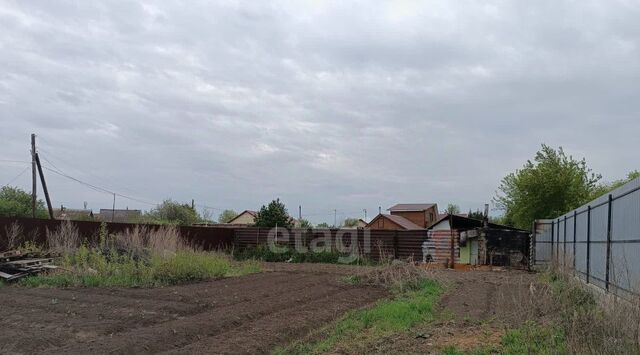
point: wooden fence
(35, 230)
(374, 244)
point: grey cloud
(345, 105)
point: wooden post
(113, 208)
(44, 187)
(395, 244)
(34, 184)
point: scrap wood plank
(10, 254)
(26, 262)
(10, 277)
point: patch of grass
(91, 268)
(534, 339)
(530, 338)
(353, 332)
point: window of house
(430, 216)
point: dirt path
(250, 314)
(476, 310)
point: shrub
(136, 258)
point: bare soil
(476, 310)
(249, 314)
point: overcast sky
(331, 105)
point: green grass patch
(353, 332)
(530, 338)
(92, 268)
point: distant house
(119, 216)
(245, 218)
(406, 216)
(72, 214)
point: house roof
(401, 221)
(464, 221)
(411, 207)
(249, 212)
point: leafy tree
(351, 222)
(170, 212)
(303, 223)
(605, 188)
(452, 209)
(550, 185)
(273, 214)
(227, 215)
(15, 202)
(323, 225)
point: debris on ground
(15, 264)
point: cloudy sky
(329, 105)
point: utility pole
(335, 218)
(193, 204)
(33, 175)
(113, 209)
(299, 212)
(44, 187)
(486, 216)
(379, 209)
(365, 214)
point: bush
(137, 258)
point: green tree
(15, 202)
(550, 185)
(170, 212)
(303, 223)
(605, 188)
(323, 225)
(273, 214)
(227, 215)
(351, 222)
(452, 209)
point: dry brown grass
(13, 235)
(396, 276)
(63, 240)
(164, 241)
(592, 321)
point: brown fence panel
(35, 230)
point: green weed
(91, 268)
(358, 328)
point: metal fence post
(575, 223)
(553, 228)
(558, 240)
(532, 245)
(588, 242)
(564, 244)
(608, 266)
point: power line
(99, 189)
(17, 176)
(90, 174)
(14, 161)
